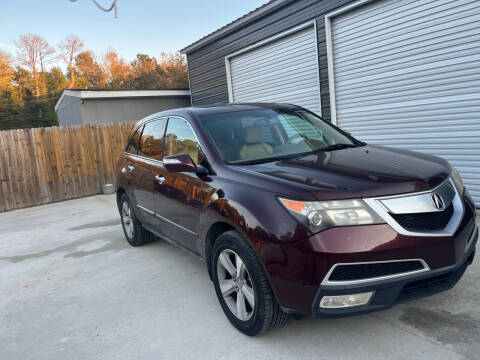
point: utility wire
(112, 7)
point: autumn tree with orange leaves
(30, 89)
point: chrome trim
(143, 157)
(377, 204)
(160, 179)
(167, 117)
(150, 212)
(168, 161)
(418, 202)
(175, 224)
(378, 278)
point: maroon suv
(293, 215)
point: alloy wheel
(235, 284)
(127, 219)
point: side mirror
(179, 163)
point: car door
(182, 195)
(146, 167)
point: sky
(142, 26)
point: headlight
(457, 180)
(321, 215)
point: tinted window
(180, 139)
(151, 144)
(134, 141)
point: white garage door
(283, 70)
(407, 74)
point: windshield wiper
(334, 147)
(339, 147)
(264, 160)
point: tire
(265, 314)
(135, 233)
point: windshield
(269, 134)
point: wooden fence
(43, 165)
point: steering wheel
(290, 139)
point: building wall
(117, 110)
(97, 111)
(208, 79)
(70, 111)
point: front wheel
(242, 286)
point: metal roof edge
(243, 20)
(110, 94)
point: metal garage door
(284, 70)
(407, 74)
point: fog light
(343, 301)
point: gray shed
(400, 73)
(75, 107)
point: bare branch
(70, 47)
(45, 54)
(28, 54)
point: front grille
(373, 270)
(425, 221)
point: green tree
(55, 81)
(145, 73)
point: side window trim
(142, 126)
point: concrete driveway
(71, 288)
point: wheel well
(212, 235)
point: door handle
(130, 167)
(160, 178)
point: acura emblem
(438, 202)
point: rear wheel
(135, 233)
(242, 286)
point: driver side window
(180, 139)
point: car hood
(366, 171)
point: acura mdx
(291, 214)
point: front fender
(261, 219)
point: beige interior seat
(254, 147)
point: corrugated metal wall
(407, 75)
(285, 70)
(206, 65)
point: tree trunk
(37, 85)
(72, 77)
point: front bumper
(392, 291)
(297, 272)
